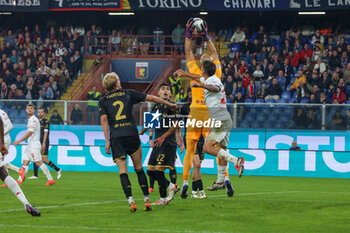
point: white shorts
(222, 134)
(32, 154)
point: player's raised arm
(212, 50)
(181, 73)
(188, 41)
(209, 87)
(158, 100)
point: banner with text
(89, 5)
(81, 148)
(24, 5)
(304, 5)
(247, 5)
(135, 70)
(168, 5)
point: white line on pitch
(101, 229)
(138, 199)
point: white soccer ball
(198, 24)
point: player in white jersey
(218, 138)
(33, 150)
(7, 128)
(9, 181)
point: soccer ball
(198, 24)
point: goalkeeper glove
(189, 28)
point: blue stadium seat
(284, 119)
(347, 102)
(286, 94)
(259, 101)
(304, 101)
(261, 118)
(271, 101)
(282, 101)
(249, 100)
(250, 118)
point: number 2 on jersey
(119, 115)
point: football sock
(130, 200)
(221, 174)
(227, 178)
(13, 186)
(126, 185)
(36, 168)
(9, 166)
(173, 176)
(46, 172)
(162, 184)
(200, 185)
(188, 159)
(25, 173)
(171, 186)
(194, 186)
(185, 182)
(151, 181)
(53, 166)
(217, 162)
(223, 154)
(142, 181)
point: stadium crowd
(304, 65)
(38, 65)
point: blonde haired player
(199, 111)
(33, 150)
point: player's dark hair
(164, 85)
(41, 108)
(209, 68)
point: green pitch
(95, 202)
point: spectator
(177, 37)
(60, 50)
(304, 90)
(246, 47)
(318, 38)
(229, 86)
(346, 75)
(281, 79)
(338, 121)
(323, 98)
(238, 36)
(93, 96)
(92, 42)
(262, 92)
(338, 97)
(312, 120)
(258, 75)
(158, 40)
(294, 146)
(334, 60)
(344, 60)
(348, 119)
(239, 89)
(306, 52)
(56, 119)
(4, 90)
(270, 73)
(72, 68)
(47, 91)
(101, 48)
(274, 91)
(246, 79)
(320, 66)
(299, 78)
(299, 118)
(76, 116)
(181, 96)
(251, 90)
(241, 109)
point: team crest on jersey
(141, 70)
